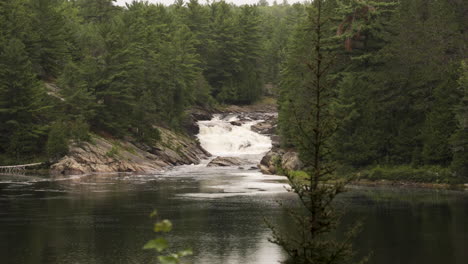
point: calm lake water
(217, 212)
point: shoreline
(407, 184)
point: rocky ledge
(278, 158)
(226, 161)
(111, 155)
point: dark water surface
(217, 212)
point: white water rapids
(219, 137)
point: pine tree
(223, 61)
(249, 79)
(49, 47)
(113, 90)
(309, 97)
(440, 123)
(21, 103)
(459, 139)
(97, 11)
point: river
(218, 212)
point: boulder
(266, 127)
(226, 161)
(201, 114)
(264, 169)
(236, 123)
(275, 142)
(191, 126)
(287, 160)
(269, 162)
(193, 116)
(290, 161)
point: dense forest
(399, 86)
(68, 68)
(71, 68)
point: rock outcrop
(111, 155)
(269, 162)
(290, 161)
(226, 161)
(194, 115)
(265, 128)
(279, 158)
(236, 123)
(268, 126)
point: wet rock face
(226, 161)
(193, 116)
(236, 123)
(104, 155)
(266, 127)
(201, 114)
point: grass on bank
(402, 173)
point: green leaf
(153, 214)
(159, 244)
(186, 252)
(170, 259)
(163, 226)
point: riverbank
(406, 184)
(277, 160)
(102, 155)
(264, 105)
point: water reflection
(219, 213)
(410, 225)
(103, 219)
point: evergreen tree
(440, 123)
(249, 78)
(223, 60)
(118, 73)
(97, 11)
(49, 47)
(459, 139)
(21, 103)
(308, 97)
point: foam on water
(221, 138)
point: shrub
(149, 135)
(79, 130)
(431, 174)
(57, 141)
(113, 152)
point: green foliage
(49, 47)
(233, 66)
(21, 103)
(126, 70)
(307, 101)
(459, 139)
(395, 103)
(427, 174)
(161, 245)
(113, 152)
(78, 131)
(439, 125)
(57, 141)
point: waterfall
(221, 138)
